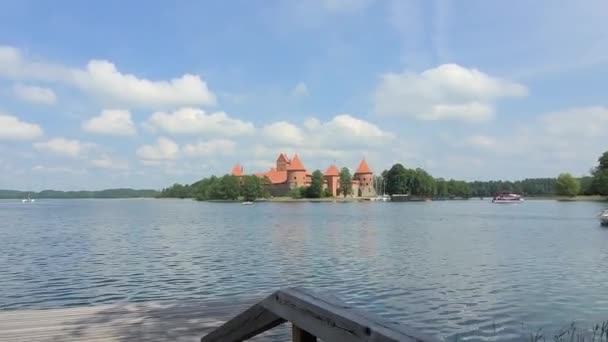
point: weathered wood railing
(313, 315)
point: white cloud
(193, 120)
(211, 147)
(62, 146)
(103, 80)
(482, 141)
(105, 162)
(12, 128)
(586, 122)
(300, 90)
(112, 122)
(447, 92)
(34, 94)
(53, 169)
(283, 132)
(165, 149)
(341, 131)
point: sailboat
(28, 199)
(384, 197)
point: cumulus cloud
(64, 147)
(164, 149)
(193, 121)
(447, 92)
(283, 132)
(341, 131)
(103, 80)
(12, 128)
(34, 94)
(111, 122)
(211, 147)
(105, 162)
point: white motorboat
(507, 197)
(247, 203)
(604, 218)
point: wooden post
(299, 335)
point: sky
(110, 94)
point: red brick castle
(291, 173)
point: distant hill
(108, 193)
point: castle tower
(296, 173)
(331, 177)
(237, 170)
(282, 162)
(365, 176)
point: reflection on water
(468, 269)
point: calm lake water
(470, 269)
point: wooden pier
(148, 322)
(312, 315)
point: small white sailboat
(384, 197)
(28, 199)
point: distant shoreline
(80, 194)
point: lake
(467, 269)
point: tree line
(108, 193)
(227, 187)
(250, 188)
(596, 184)
(398, 180)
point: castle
(291, 173)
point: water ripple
(468, 270)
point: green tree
(442, 188)
(396, 180)
(567, 185)
(315, 190)
(266, 184)
(425, 184)
(297, 192)
(251, 188)
(228, 189)
(600, 176)
(346, 182)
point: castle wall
(281, 189)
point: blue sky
(111, 94)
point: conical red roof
(237, 170)
(363, 168)
(283, 156)
(332, 170)
(296, 164)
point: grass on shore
(598, 333)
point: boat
(247, 203)
(28, 199)
(507, 197)
(384, 197)
(604, 218)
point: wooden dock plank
(148, 322)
